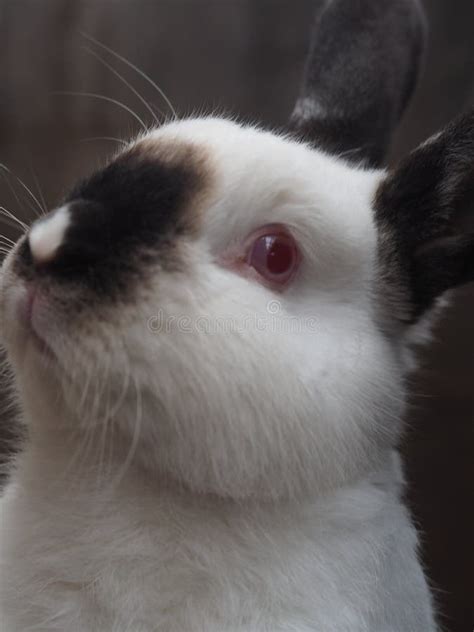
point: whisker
(85, 442)
(111, 138)
(8, 214)
(20, 181)
(155, 108)
(136, 436)
(125, 82)
(44, 206)
(4, 249)
(7, 239)
(104, 422)
(102, 97)
(14, 193)
(350, 152)
(7, 222)
(133, 67)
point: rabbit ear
(361, 70)
(424, 211)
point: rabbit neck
(173, 556)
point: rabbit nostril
(47, 235)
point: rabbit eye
(274, 255)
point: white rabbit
(210, 339)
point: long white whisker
(7, 240)
(20, 181)
(125, 82)
(111, 138)
(15, 195)
(155, 108)
(102, 97)
(84, 441)
(104, 422)
(133, 67)
(44, 206)
(135, 440)
(7, 213)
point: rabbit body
(210, 340)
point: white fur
(240, 480)
(46, 235)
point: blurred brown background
(246, 57)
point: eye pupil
(279, 255)
(274, 257)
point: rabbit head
(233, 306)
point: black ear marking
(361, 70)
(424, 212)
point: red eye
(274, 255)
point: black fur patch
(424, 211)
(129, 214)
(361, 70)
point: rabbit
(210, 339)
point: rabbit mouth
(29, 311)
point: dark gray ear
(361, 71)
(424, 212)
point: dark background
(246, 57)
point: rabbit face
(212, 295)
(233, 306)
